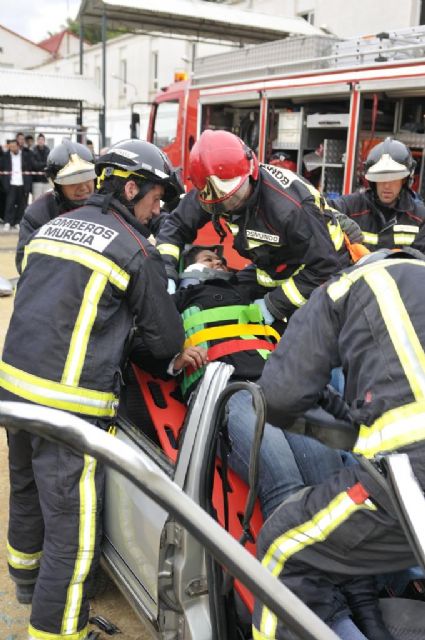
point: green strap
(187, 316)
(241, 313)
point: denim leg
(315, 461)
(279, 475)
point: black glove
(332, 402)
(171, 272)
(363, 601)
(350, 228)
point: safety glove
(350, 228)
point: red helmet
(220, 165)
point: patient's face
(211, 260)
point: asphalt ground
(13, 616)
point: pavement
(14, 617)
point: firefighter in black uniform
(371, 321)
(388, 212)
(70, 168)
(89, 276)
(279, 221)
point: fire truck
(316, 104)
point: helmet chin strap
(216, 223)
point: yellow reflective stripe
(370, 238)
(400, 329)
(295, 540)
(55, 394)
(35, 634)
(340, 287)
(265, 280)
(82, 255)
(20, 560)
(336, 234)
(169, 250)
(82, 329)
(234, 228)
(292, 292)
(396, 428)
(409, 228)
(229, 331)
(404, 238)
(257, 635)
(86, 544)
(318, 199)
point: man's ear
(130, 189)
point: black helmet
(144, 161)
(389, 160)
(70, 163)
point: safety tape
(24, 173)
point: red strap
(228, 347)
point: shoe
(6, 226)
(15, 227)
(24, 593)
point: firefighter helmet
(220, 165)
(142, 161)
(389, 160)
(70, 163)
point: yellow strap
(230, 331)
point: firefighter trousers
(322, 536)
(56, 500)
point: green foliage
(92, 33)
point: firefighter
(90, 279)
(389, 213)
(279, 221)
(370, 320)
(70, 169)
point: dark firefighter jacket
(38, 213)
(384, 227)
(88, 276)
(284, 229)
(371, 321)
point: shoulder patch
(259, 235)
(283, 176)
(80, 232)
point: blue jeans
(288, 461)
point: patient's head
(207, 257)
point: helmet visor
(75, 171)
(220, 197)
(386, 169)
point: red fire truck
(314, 104)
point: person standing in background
(40, 183)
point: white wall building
(344, 18)
(137, 66)
(15, 48)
